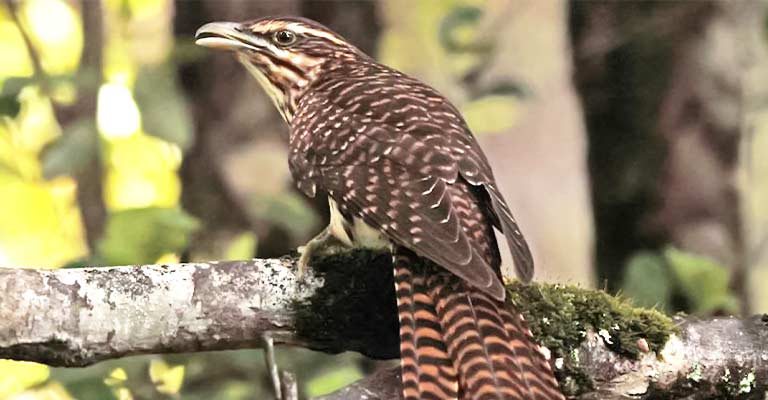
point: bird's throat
(279, 98)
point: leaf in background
(332, 380)
(492, 114)
(117, 377)
(456, 33)
(41, 223)
(72, 151)
(241, 247)
(141, 172)
(167, 379)
(17, 376)
(143, 235)
(507, 88)
(9, 96)
(9, 106)
(647, 281)
(163, 108)
(14, 85)
(288, 210)
(49, 391)
(703, 282)
(117, 382)
(168, 258)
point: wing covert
(390, 158)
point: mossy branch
(598, 343)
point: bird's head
(285, 54)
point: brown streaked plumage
(401, 169)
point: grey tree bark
(76, 317)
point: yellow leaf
(116, 378)
(492, 114)
(167, 379)
(17, 376)
(241, 247)
(157, 368)
(172, 380)
(51, 391)
(168, 258)
(123, 394)
(57, 32)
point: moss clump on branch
(355, 307)
(560, 315)
(355, 310)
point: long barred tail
(428, 372)
(458, 343)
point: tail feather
(477, 341)
(457, 342)
(540, 376)
(427, 370)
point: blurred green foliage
(139, 133)
(698, 284)
(143, 235)
(72, 151)
(646, 280)
(164, 109)
(39, 158)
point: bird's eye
(285, 38)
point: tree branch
(76, 317)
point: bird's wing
(400, 160)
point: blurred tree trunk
(755, 163)
(357, 21)
(540, 163)
(663, 89)
(90, 193)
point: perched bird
(402, 170)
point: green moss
(559, 317)
(355, 310)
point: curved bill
(224, 35)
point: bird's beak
(224, 36)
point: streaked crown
(285, 54)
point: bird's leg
(323, 243)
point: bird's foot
(322, 244)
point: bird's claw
(303, 262)
(323, 243)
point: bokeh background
(630, 138)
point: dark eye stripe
(287, 65)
